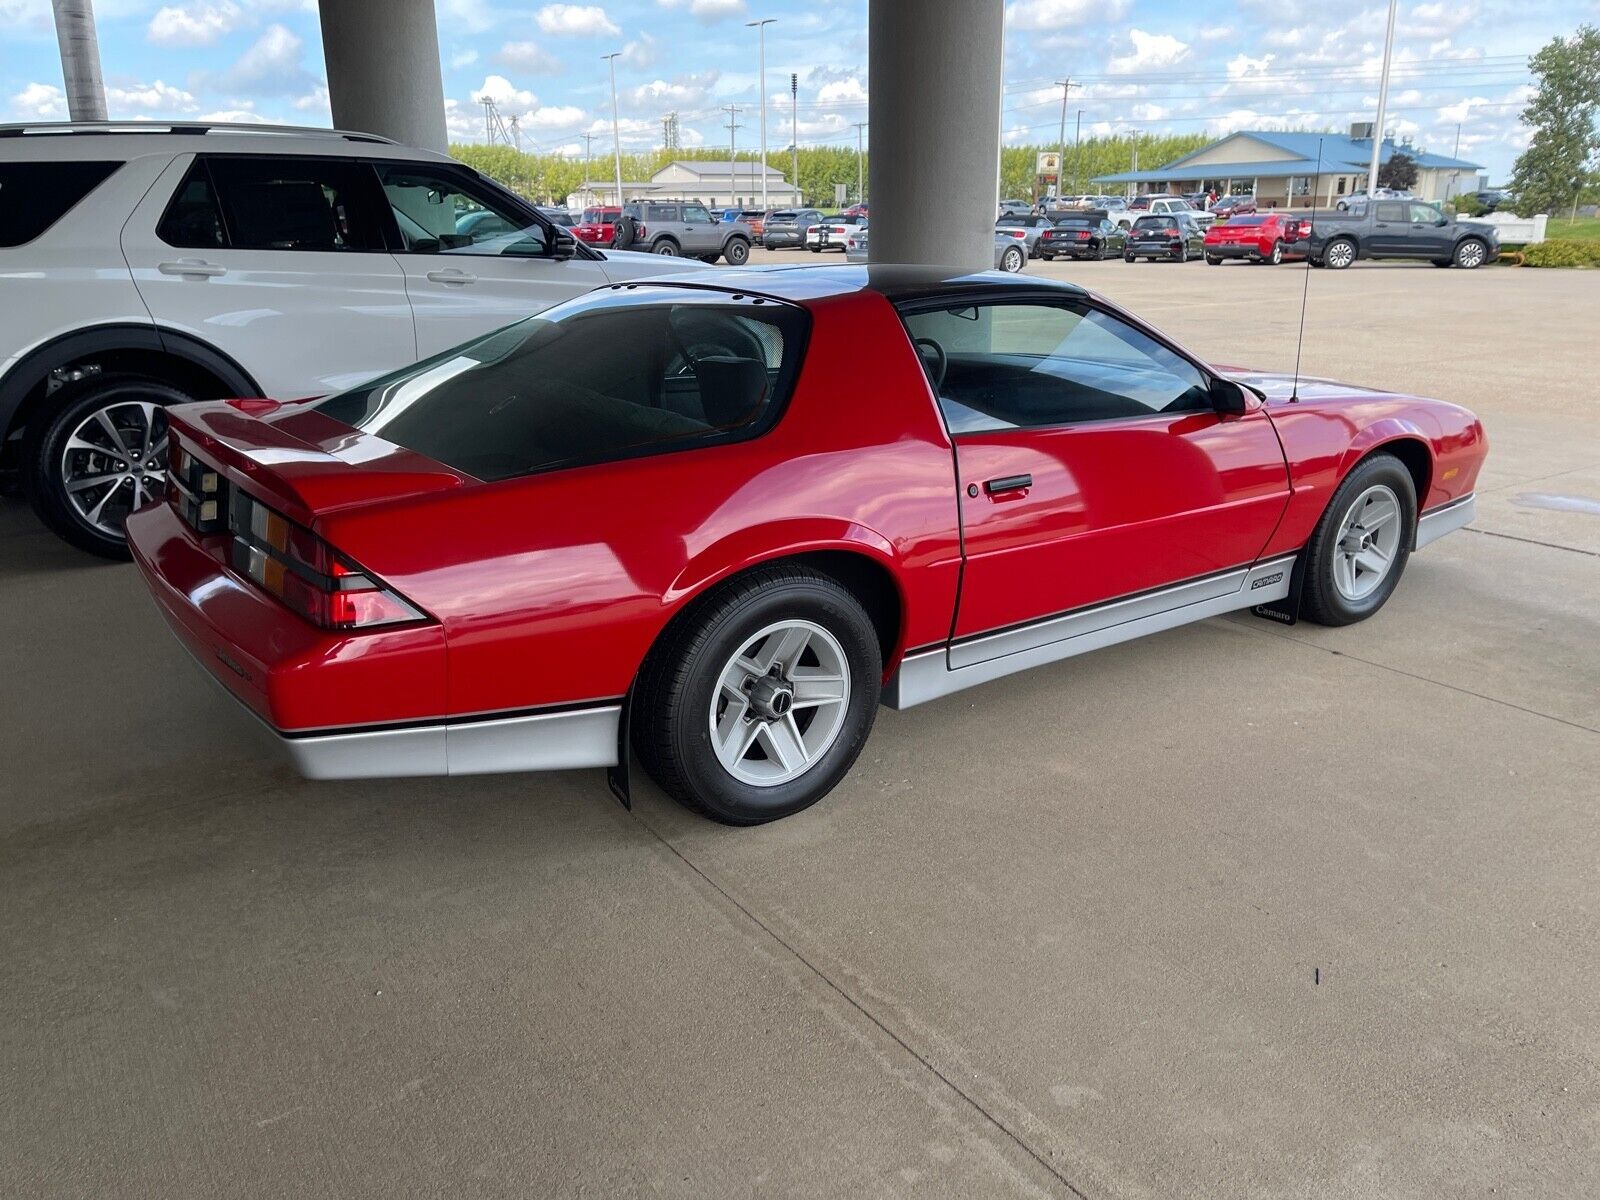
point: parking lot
(1234, 909)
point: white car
(1009, 254)
(829, 234)
(146, 265)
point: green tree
(1399, 172)
(1560, 158)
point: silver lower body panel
(1447, 518)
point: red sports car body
(733, 532)
(1259, 237)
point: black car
(1400, 229)
(787, 227)
(1173, 237)
(1082, 235)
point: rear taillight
(194, 489)
(309, 576)
(1082, 235)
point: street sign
(1049, 163)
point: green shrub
(1561, 253)
(1467, 205)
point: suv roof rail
(58, 128)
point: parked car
(1360, 197)
(1233, 206)
(855, 245)
(1009, 255)
(755, 219)
(787, 227)
(557, 216)
(160, 265)
(1258, 237)
(1491, 198)
(1173, 237)
(597, 226)
(649, 525)
(672, 228)
(1083, 235)
(828, 234)
(1173, 205)
(1031, 225)
(1015, 207)
(856, 213)
(1400, 229)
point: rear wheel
(1181, 254)
(1213, 260)
(667, 248)
(102, 455)
(757, 703)
(1275, 255)
(1127, 258)
(1360, 546)
(1339, 254)
(1011, 259)
(737, 252)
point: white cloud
(463, 58)
(194, 24)
(152, 97)
(40, 100)
(527, 56)
(843, 91)
(708, 10)
(234, 116)
(315, 100)
(555, 118)
(683, 91)
(580, 20)
(1061, 14)
(276, 53)
(1241, 66)
(1151, 51)
(505, 94)
(640, 54)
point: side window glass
(193, 219)
(695, 214)
(1424, 214)
(662, 212)
(35, 195)
(438, 212)
(1388, 211)
(283, 203)
(1012, 366)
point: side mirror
(562, 244)
(1228, 398)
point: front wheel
(1360, 547)
(758, 701)
(101, 456)
(1471, 254)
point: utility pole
(1061, 141)
(1383, 100)
(80, 59)
(861, 166)
(1451, 186)
(1134, 170)
(1077, 155)
(794, 137)
(761, 30)
(616, 124)
(588, 158)
(733, 159)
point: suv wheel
(666, 246)
(1340, 253)
(737, 252)
(1471, 253)
(100, 456)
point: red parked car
(598, 226)
(697, 519)
(1258, 237)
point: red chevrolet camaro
(719, 520)
(1267, 237)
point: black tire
(47, 445)
(1471, 253)
(679, 680)
(1321, 601)
(1315, 262)
(1127, 258)
(1443, 262)
(737, 252)
(1213, 260)
(1275, 256)
(1339, 254)
(665, 247)
(1012, 259)
(1181, 254)
(815, 249)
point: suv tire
(665, 247)
(737, 252)
(110, 428)
(1471, 254)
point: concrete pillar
(80, 60)
(383, 69)
(935, 73)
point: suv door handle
(191, 266)
(1008, 483)
(452, 276)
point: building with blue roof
(1295, 169)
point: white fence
(1512, 228)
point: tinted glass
(1425, 214)
(1016, 222)
(1076, 222)
(1389, 210)
(35, 195)
(695, 214)
(608, 376)
(1010, 366)
(282, 203)
(439, 212)
(1245, 219)
(193, 219)
(783, 217)
(1144, 224)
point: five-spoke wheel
(1360, 546)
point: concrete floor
(1236, 910)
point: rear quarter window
(35, 195)
(605, 377)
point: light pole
(1077, 154)
(1134, 170)
(1061, 141)
(861, 166)
(761, 30)
(794, 137)
(80, 60)
(616, 124)
(733, 158)
(1383, 101)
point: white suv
(142, 266)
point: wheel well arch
(1414, 455)
(185, 362)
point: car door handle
(1008, 483)
(191, 266)
(452, 276)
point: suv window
(696, 214)
(656, 213)
(1424, 214)
(35, 195)
(1012, 366)
(604, 377)
(440, 212)
(1389, 210)
(284, 203)
(193, 218)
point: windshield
(608, 376)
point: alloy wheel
(1340, 255)
(1368, 541)
(115, 462)
(780, 703)
(1471, 255)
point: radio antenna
(1305, 291)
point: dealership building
(1296, 169)
(714, 184)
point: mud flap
(1287, 610)
(618, 778)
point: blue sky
(1158, 65)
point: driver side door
(474, 260)
(1092, 466)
